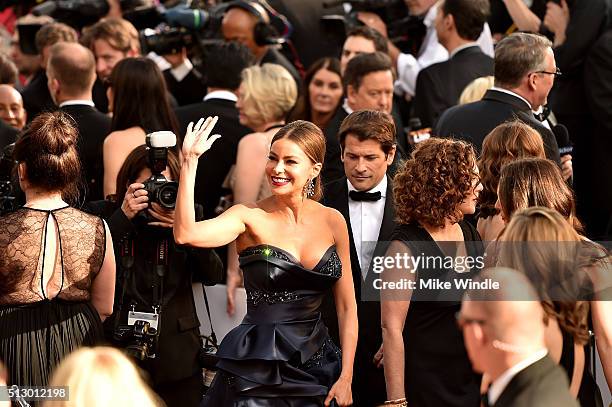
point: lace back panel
(81, 244)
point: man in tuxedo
(458, 25)
(72, 71)
(525, 71)
(364, 197)
(248, 22)
(368, 83)
(36, 97)
(224, 65)
(503, 330)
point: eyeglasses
(463, 321)
(557, 72)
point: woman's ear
(316, 170)
(21, 171)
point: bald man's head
(11, 107)
(509, 319)
(239, 25)
(71, 71)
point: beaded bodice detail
(329, 265)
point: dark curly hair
(430, 186)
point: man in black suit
(36, 97)
(248, 22)
(368, 83)
(459, 24)
(72, 71)
(524, 74)
(503, 330)
(364, 197)
(224, 65)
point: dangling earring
(309, 188)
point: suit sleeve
(598, 83)
(425, 105)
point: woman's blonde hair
(101, 377)
(269, 93)
(476, 89)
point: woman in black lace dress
(57, 268)
(292, 249)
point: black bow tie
(544, 115)
(365, 196)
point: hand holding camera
(136, 199)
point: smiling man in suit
(364, 197)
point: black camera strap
(161, 266)
(213, 336)
(127, 263)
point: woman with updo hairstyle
(507, 142)
(266, 95)
(425, 360)
(138, 98)
(535, 182)
(571, 276)
(322, 93)
(57, 268)
(292, 251)
(101, 377)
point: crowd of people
(417, 221)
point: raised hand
(197, 140)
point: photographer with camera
(155, 317)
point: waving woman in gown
(292, 249)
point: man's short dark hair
(224, 64)
(517, 55)
(369, 125)
(380, 42)
(469, 15)
(364, 64)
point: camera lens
(167, 194)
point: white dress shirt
(366, 219)
(498, 386)
(77, 102)
(221, 94)
(431, 52)
(509, 92)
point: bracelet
(398, 402)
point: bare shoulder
(120, 136)
(253, 140)
(333, 217)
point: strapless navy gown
(281, 353)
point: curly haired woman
(432, 192)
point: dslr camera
(139, 340)
(160, 190)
